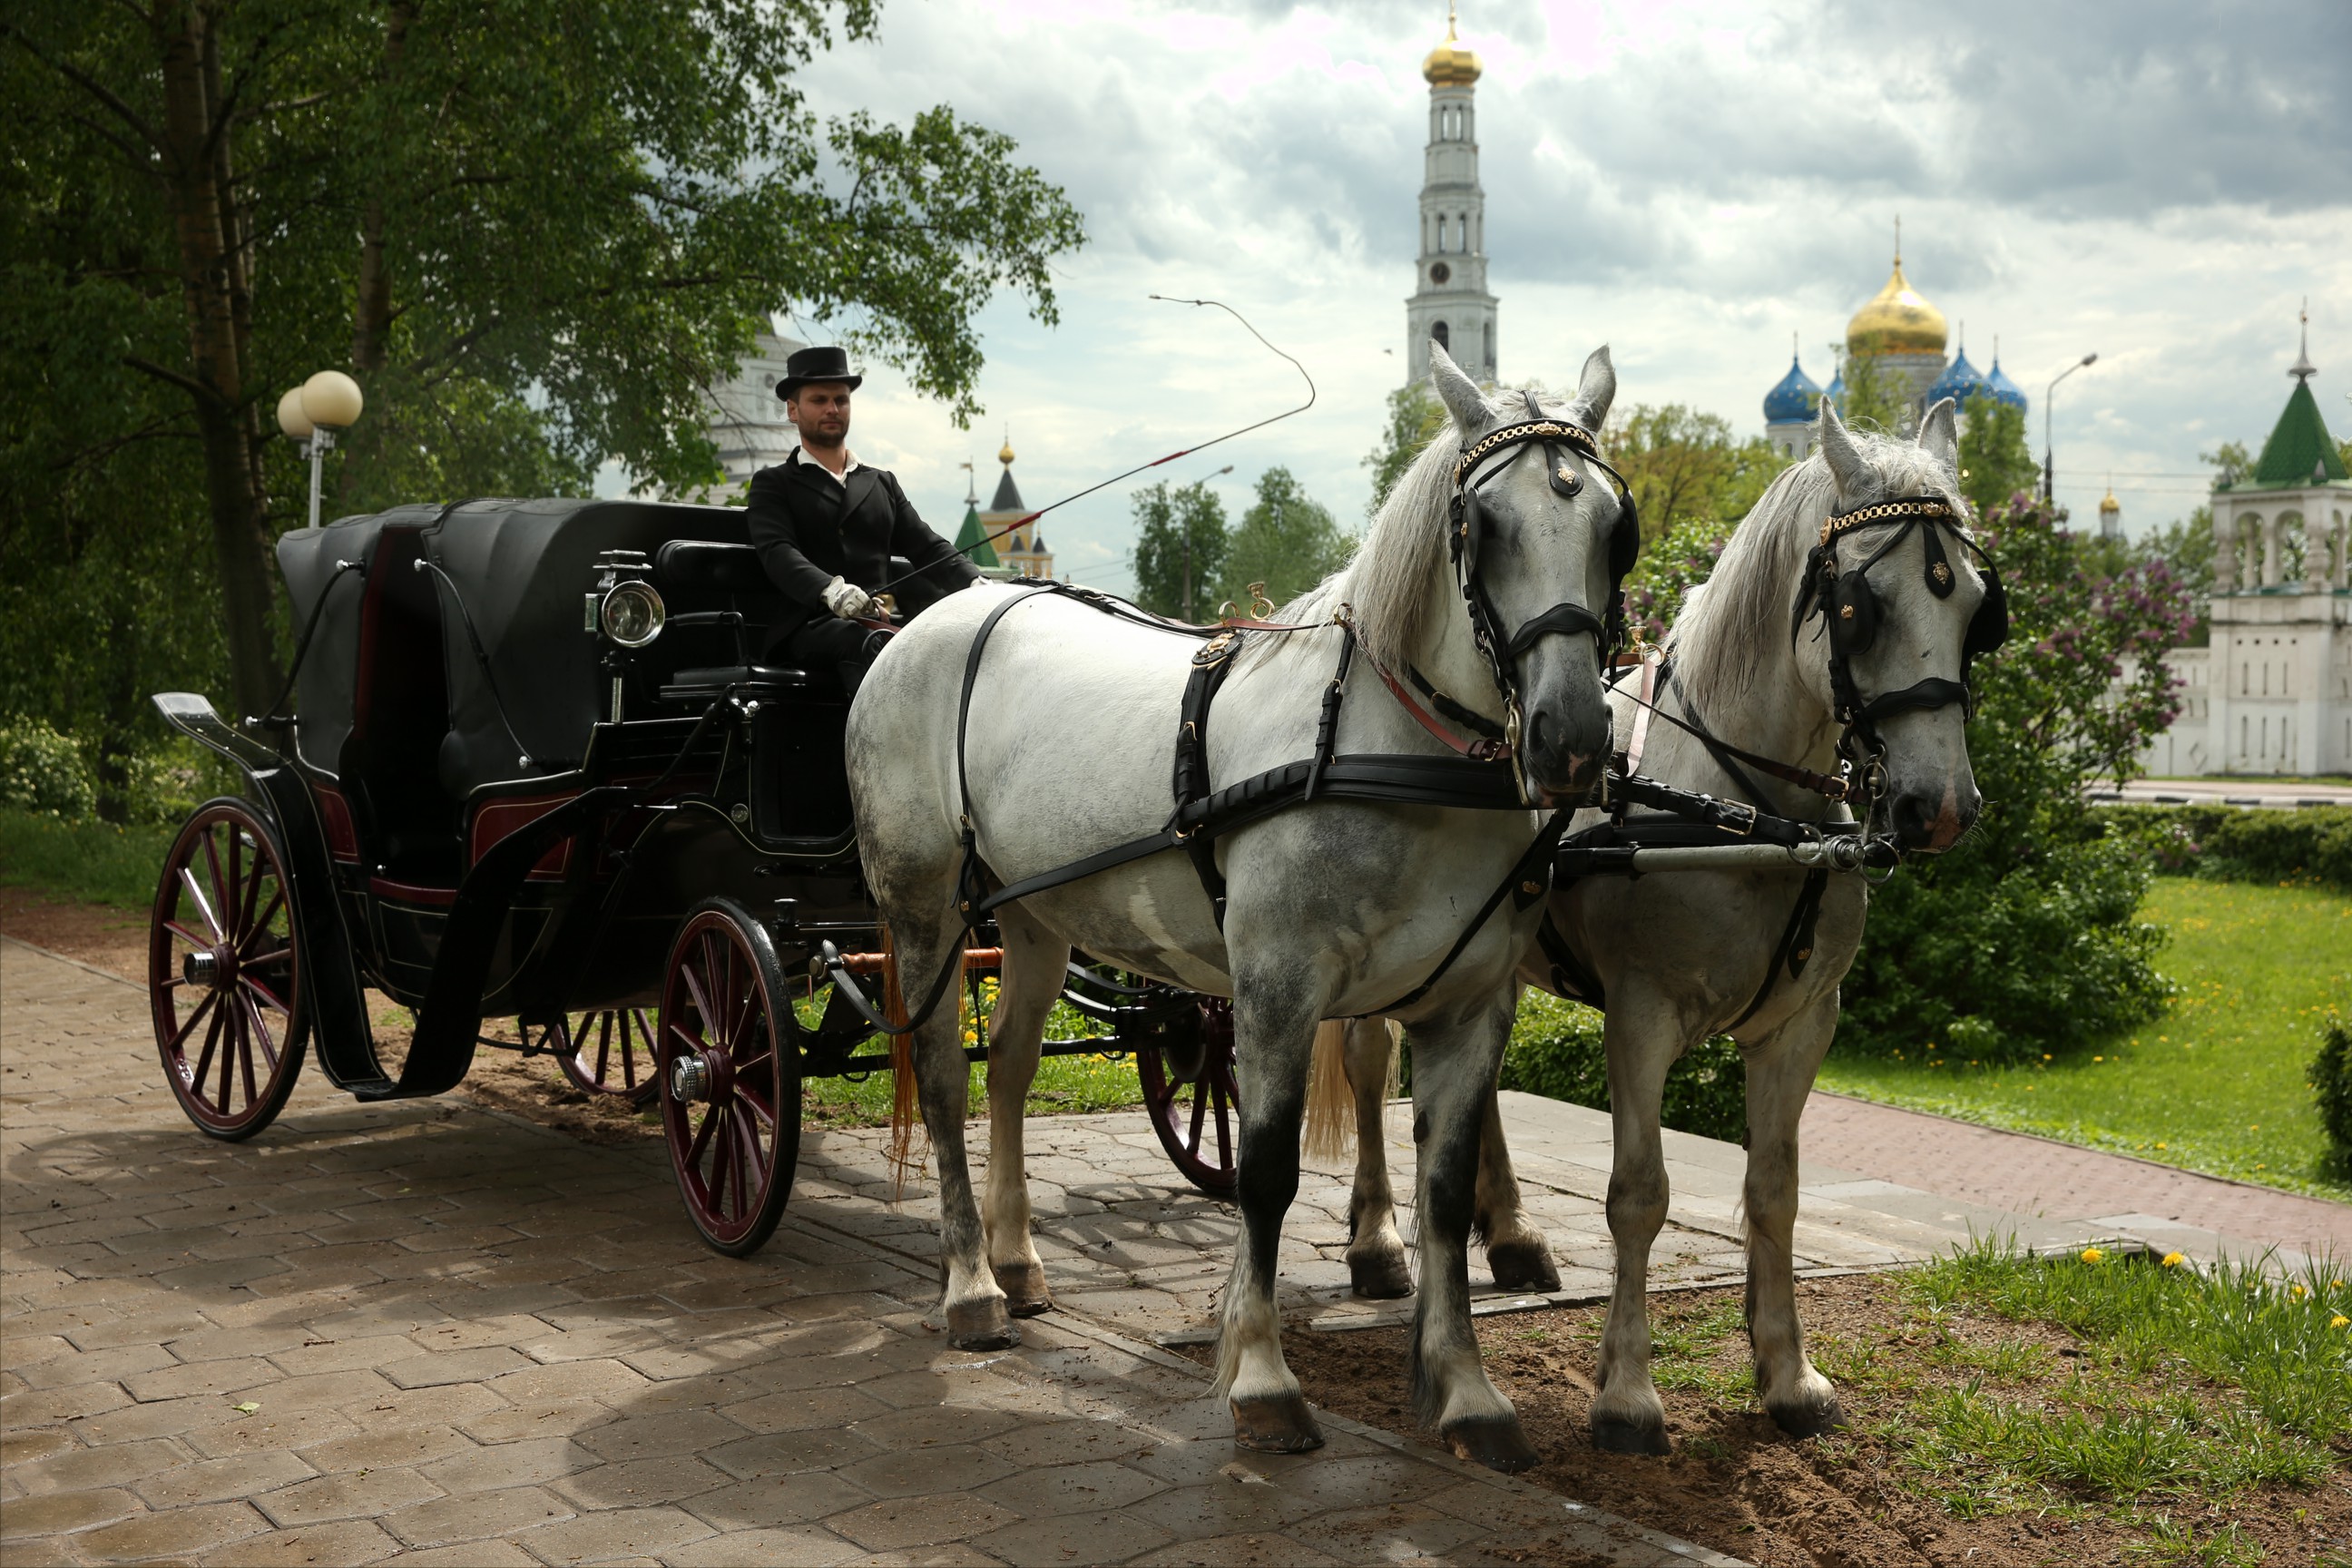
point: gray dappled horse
(1335, 908)
(1680, 954)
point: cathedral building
(1021, 548)
(1450, 302)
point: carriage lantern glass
(312, 413)
(632, 614)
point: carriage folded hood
(519, 569)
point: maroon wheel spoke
(217, 908)
(179, 1039)
(1200, 1110)
(604, 1044)
(264, 993)
(701, 1139)
(702, 1010)
(204, 1061)
(260, 1029)
(1224, 1135)
(184, 934)
(228, 1057)
(204, 907)
(245, 1054)
(260, 928)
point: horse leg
(1517, 1255)
(1779, 1076)
(1376, 1266)
(1454, 1067)
(1035, 961)
(1274, 1027)
(977, 1320)
(1628, 1417)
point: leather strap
(1796, 947)
(1644, 704)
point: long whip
(1156, 462)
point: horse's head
(1542, 536)
(1898, 580)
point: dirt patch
(1734, 1482)
(96, 935)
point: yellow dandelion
(2298, 1290)
(2339, 1320)
(2098, 1059)
(2046, 1055)
(2092, 1254)
(2174, 1261)
(2164, 1145)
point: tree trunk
(214, 261)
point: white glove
(849, 601)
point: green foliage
(1685, 466)
(2237, 844)
(1555, 1051)
(1871, 400)
(1995, 463)
(1670, 568)
(2331, 1080)
(1286, 540)
(42, 771)
(96, 862)
(1179, 550)
(2029, 925)
(1415, 419)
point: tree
(1415, 419)
(1683, 464)
(1871, 401)
(1995, 462)
(1179, 550)
(1286, 540)
(537, 231)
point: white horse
(1686, 954)
(1335, 908)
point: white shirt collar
(842, 477)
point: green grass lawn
(93, 861)
(2217, 1084)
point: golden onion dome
(1896, 321)
(1449, 64)
(1004, 453)
(2109, 503)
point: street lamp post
(2049, 458)
(312, 413)
(1204, 480)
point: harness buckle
(1743, 828)
(1216, 649)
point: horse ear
(1460, 393)
(1939, 434)
(1851, 474)
(1596, 389)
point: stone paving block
(1241, 1550)
(600, 1379)
(352, 1494)
(312, 1352)
(1108, 1536)
(455, 1366)
(23, 1407)
(802, 1410)
(1225, 1503)
(1388, 1532)
(641, 1483)
(215, 1480)
(615, 1535)
(486, 1469)
(259, 1432)
(181, 1534)
(476, 1515)
(1062, 1442)
(317, 1391)
(900, 1522)
(771, 1500)
(538, 1418)
(70, 1366)
(809, 1544)
(60, 1511)
(921, 1426)
(34, 1444)
(789, 1453)
(82, 1470)
(649, 1436)
(471, 1555)
(445, 1403)
(350, 1540)
(387, 1448)
(913, 1472)
(1073, 1488)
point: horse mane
(1724, 635)
(1386, 582)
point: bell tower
(1449, 301)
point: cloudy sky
(2162, 183)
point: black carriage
(535, 772)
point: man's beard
(830, 440)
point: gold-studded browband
(1519, 435)
(1927, 508)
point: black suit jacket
(810, 527)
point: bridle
(1502, 653)
(1851, 612)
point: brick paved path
(427, 1331)
(2030, 1175)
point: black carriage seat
(762, 681)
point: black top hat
(828, 364)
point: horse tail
(1330, 1101)
(904, 1118)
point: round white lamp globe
(333, 399)
(290, 418)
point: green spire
(971, 540)
(2299, 445)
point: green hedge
(1555, 1051)
(2238, 844)
(2331, 1080)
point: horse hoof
(1379, 1278)
(1615, 1435)
(1024, 1284)
(981, 1326)
(1807, 1420)
(1523, 1266)
(1496, 1442)
(1282, 1424)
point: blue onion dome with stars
(1836, 393)
(1794, 398)
(1959, 381)
(2000, 389)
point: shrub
(2331, 1080)
(42, 771)
(1555, 1051)
(2236, 844)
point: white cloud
(2161, 184)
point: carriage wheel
(224, 972)
(607, 1053)
(727, 1070)
(1195, 1103)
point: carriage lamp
(632, 614)
(312, 413)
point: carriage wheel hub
(704, 1076)
(210, 966)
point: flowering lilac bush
(2028, 930)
